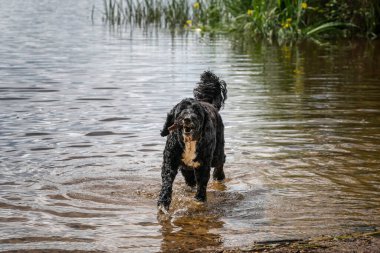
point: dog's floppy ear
(172, 122)
(168, 123)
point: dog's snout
(187, 120)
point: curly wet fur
(194, 123)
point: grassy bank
(268, 19)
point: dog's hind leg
(218, 173)
(189, 176)
(202, 175)
(218, 163)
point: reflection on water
(190, 233)
(82, 106)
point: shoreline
(355, 242)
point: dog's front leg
(169, 171)
(168, 174)
(202, 175)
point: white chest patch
(189, 154)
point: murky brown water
(82, 106)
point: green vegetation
(269, 19)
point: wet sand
(353, 243)
(358, 242)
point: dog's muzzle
(188, 127)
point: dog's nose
(186, 120)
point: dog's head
(187, 117)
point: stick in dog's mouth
(174, 127)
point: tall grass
(284, 20)
(176, 13)
(173, 14)
(118, 12)
(146, 12)
(271, 19)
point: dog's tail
(211, 89)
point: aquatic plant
(146, 12)
(173, 14)
(282, 20)
(364, 14)
(176, 13)
(118, 12)
(271, 19)
(254, 18)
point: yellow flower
(189, 22)
(287, 23)
(304, 5)
(250, 12)
(196, 5)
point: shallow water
(82, 106)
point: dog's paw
(218, 176)
(190, 188)
(163, 208)
(200, 198)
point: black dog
(195, 141)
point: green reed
(294, 19)
(118, 12)
(176, 13)
(270, 19)
(146, 12)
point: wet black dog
(195, 141)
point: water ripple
(82, 107)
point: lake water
(80, 150)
